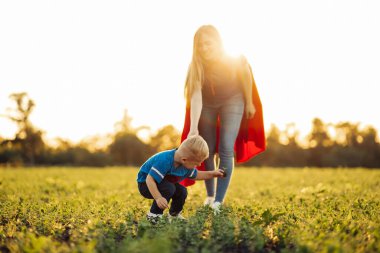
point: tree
(166, 138)
(28, 139)
(126, 148)
(348, 134)
(125, 124)
(291, 134)
(371, 148)
(273, 138)
(319, 136)
(319, 140)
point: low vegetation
(266, 210)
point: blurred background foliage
(344, 144)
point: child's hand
(219, 173)
(162, 203)
(224, 172)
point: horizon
(83, 63)
(100, 139)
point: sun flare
(231, 43)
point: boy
(160, 175)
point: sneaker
(153, 218)
(216, 206)
(177, 217)
(209, 201)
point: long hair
(195, 73)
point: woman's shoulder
(237, 61)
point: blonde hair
(195, 147)
(195, 72)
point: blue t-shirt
(161, 166)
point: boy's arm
(204, 175)
(152, 186)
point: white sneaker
(209, 201)
(216, 206)
(178, 216)
(153, 218)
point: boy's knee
(168, 191)
(184, 192)
(181, 191)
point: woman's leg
(207, 129)
(230, 118)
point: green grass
(266, 210)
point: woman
(223, 106)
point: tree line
(344, 144)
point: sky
(85, 62)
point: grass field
(266, 210)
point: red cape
(251, 137)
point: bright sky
(84, 62)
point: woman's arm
(247, 80)
(195, 111)
(204, 175)
(152, 186)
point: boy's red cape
(251, 137)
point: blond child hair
(195, 147)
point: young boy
(160, 175)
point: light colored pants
(230, 112)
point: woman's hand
(162, 203)
(250, 110)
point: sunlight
(230, 37)
(106, 69)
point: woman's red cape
(251, 137)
